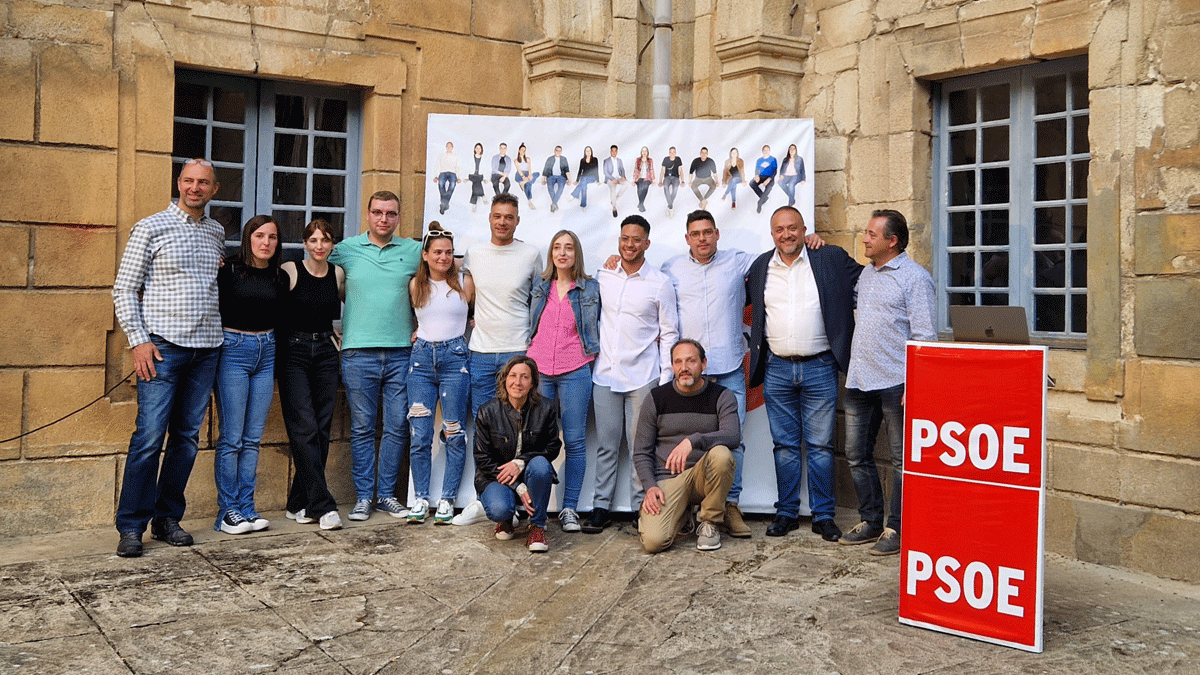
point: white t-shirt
(504, 278)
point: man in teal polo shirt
(377, 328)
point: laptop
(998, 324)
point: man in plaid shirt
(165, 297)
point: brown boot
(734, 525)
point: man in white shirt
(446, 176)
(504, 270)
(638, 325)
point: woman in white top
(442, 297)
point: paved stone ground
(385, 597)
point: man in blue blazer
(802, 320)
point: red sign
(974, 491)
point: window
(284, 149)
(1010, 195)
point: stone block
(1166, 243)
(873, 89)
(60, 23)
(1160, 329)
(933, 58)
(1064, 27)
(84, 495)
(1060, 524)
(506, 20)
(201, 492)
(829, 153)
(869, 169)
(1066, 427)
(155, 90)
(101, 429)
(274, 477)
(1104, 379)
(18, 97)
(72, 256)
(1160, 482)
(78, 98)
(56, 328)
(1103, 530)
(451, 16)
(890, 10)
(383, 147)
(845, 103)
(1179, 59)
(593, 98)
(998, 39)
(33, 195)
(835, 59)
(903, 174)
(1165, 546)
(1068, 367)
(151, 191)
(1085, 471)
(12, 396)
(1107, 52)
(444, 77)
(224, 44)
(829, 186)
(622, 64)
(843, 24)
(14, 261)
(1164, 395)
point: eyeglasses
(201, 162)
(437, 234)
(390, 215)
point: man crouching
(681, 452)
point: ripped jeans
(438, 371)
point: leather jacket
(496, 429)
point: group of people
(702, 176)
(656, 353)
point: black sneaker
(597, 521)
(235, 523)
(130, 545)
(168, 530)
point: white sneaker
(472, 514)
(331, 521)
(299, 517)
(235, 523)
(445, 512)
(707, 536)
(258, 523)
(417, 514)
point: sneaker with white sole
(473, 513)
(392, 507)
(504, 530)
(299, 517)
(258, 523)
(707, 536)
(569, 520)
(535, 541)
(445, 512)
(418, 512)
(235, 523)
(331, 521)
(361, 510)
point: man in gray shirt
(682, 452)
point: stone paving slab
(387, 598)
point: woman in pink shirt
(565, 324)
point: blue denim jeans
(788, 185)
(555, 186)
(446, 182)
(735, 381)
(580, 191)
(500, 501)
(484, 369)
(670, 189)
(528, 187)
(171, 406)
(801, 400)
(438, 372)
(245, 386)
(573, 391)
(731, 189)
(372, 376)
(865, 412)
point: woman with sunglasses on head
(307, 367)
(249, 289)
(564, 320)
(442, 297)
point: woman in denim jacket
(564, 320)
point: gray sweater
(709, 418)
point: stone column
(567, 77)
(760, 75)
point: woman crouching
(516, 439)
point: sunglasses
(437, 234)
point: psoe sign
(974, 492)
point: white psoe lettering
(984, 447)
(978, 586)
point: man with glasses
(165, 298)
(639, 323)
(377, 328)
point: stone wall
(88, 102)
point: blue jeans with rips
(801, 400)
(500, 501)
(438, 372)
(373, 375)
(245, 386)
(865, 413)
(171, 406)
(573, 391)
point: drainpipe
(662, 59)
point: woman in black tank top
(308, 373)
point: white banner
(742, 227)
